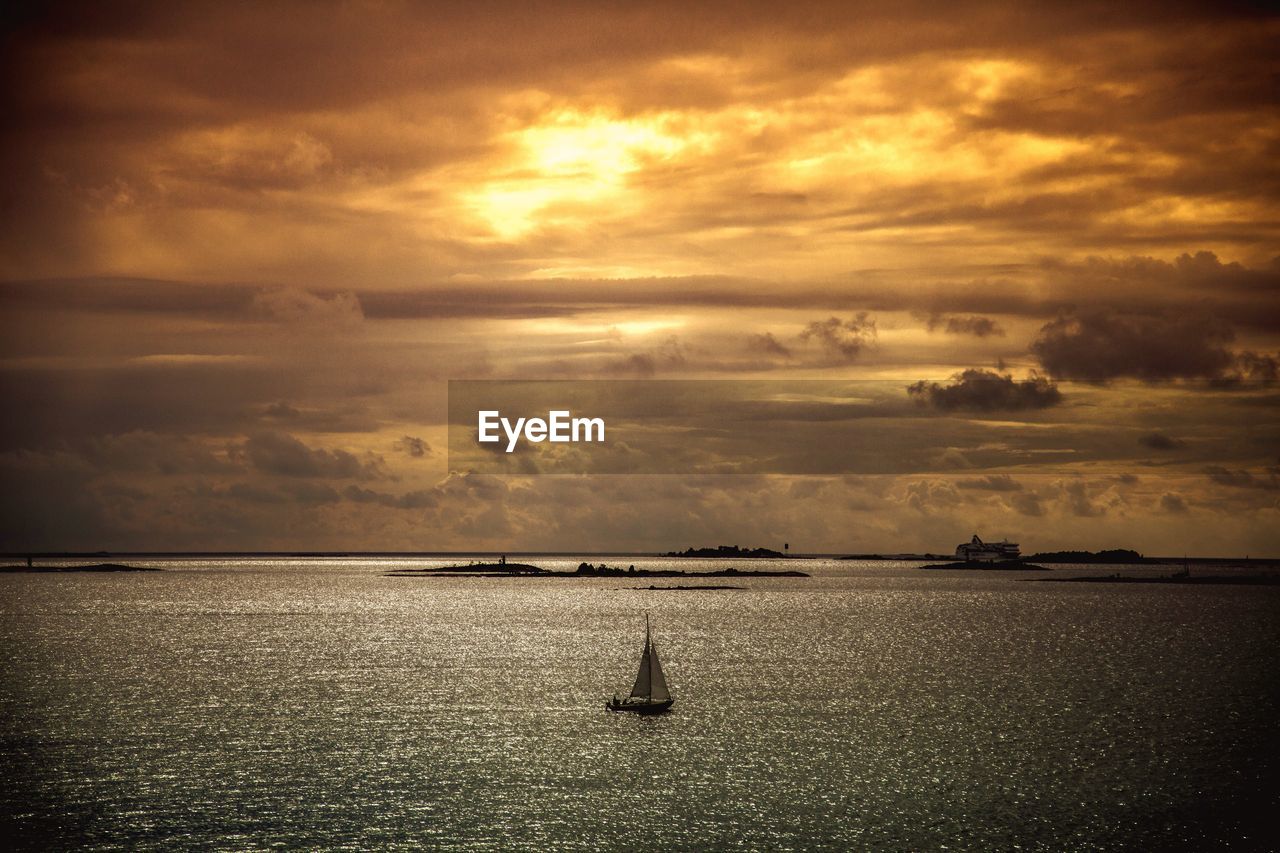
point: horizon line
(75, 555)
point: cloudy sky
(245, 247)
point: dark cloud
(299, 492)
(1160, 441)
(319, 419)
(1197, 283)
(1173, 503)
(670, 355)
(769, 345)
(251, 493)
(843, 338)
(283, 455)
(1075, 495)
(931, 495)
(419, 499)
(414, 446)
(297, 306)
(1027, 503)
(197, 397)
(979, 327)
(509, 300)
(235, 301)
(281, 411)
(1098, 346)
(1257, 367)
(991, 483)
(473, 485)
(130, 296)
(149, 452)
(310, 493)
(1240, 479)
(985, 391)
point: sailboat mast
(648, 688)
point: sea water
(246, 704)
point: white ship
(977, 551)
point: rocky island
(584, 570)
(1111, 557)
(728, 551)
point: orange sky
(244, 247)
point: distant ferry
(976, 550)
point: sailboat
(649, 695)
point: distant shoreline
(1182, 580)
(96, 567)
(584, 570)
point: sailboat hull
(641, 707)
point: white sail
(651, 684)
(658, 691)
(644, 678)
(650, 694)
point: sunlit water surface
(318, 703)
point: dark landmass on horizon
(1115, 556)
(1193, 580)
(584, 570)
(96, 567)
(730, 551)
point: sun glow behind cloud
(575, 164)
(789, 185)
